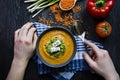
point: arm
(100, 61)
(24, 45)
(17, 70)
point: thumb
(88, 59)
(35, 39)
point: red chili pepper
(99, 8)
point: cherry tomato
(103, 29)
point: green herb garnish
(60, 46)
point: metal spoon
(79, 31)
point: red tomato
(103, 29)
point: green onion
(39, 5)
(29, 1)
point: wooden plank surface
(13, 15)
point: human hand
(100, 61)
(25, 42)
(24, 45)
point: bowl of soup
(56, 47)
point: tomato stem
(106, 29)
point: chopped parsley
(55, 47)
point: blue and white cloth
(64, 73)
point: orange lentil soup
(67, 40)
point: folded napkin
(66, 72)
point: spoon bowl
(69, 8)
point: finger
(16, 34)
(35, 39)
(25, 29)
(91, 53)
(94, 57)
(104, 51)
(93, 46)
(90, 62)
(30, 34)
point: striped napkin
(64, 73)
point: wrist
(113, 76)
(17, 68)
(19, 62)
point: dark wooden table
(13, 15)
